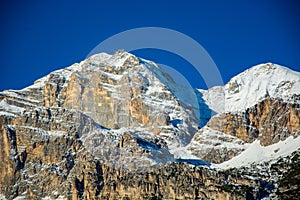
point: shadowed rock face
(105, 129)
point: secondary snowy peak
(252, 86)
(260, 104)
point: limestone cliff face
(36, 164)
(269, 121)
(116, 91)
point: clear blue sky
(38, 37)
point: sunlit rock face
(121, 90)
(268, 121)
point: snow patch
(20, 198)
(208, 138)
(2, 197)
(10, 108)
(3, 113)
(57, 133)
(12, 93)
(255, 153)
(182, 153)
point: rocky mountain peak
(121, 93)
(116, 90)
(117, 63)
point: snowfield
(255, 153)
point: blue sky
(38, 37)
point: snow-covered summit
(252, 86)
(118, 60)
(98, 62)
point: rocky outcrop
(289, 186)
(269, 121)
(37, 165)
(43, 156)
(214, 146)
(175, 181)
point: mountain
(119, 127)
